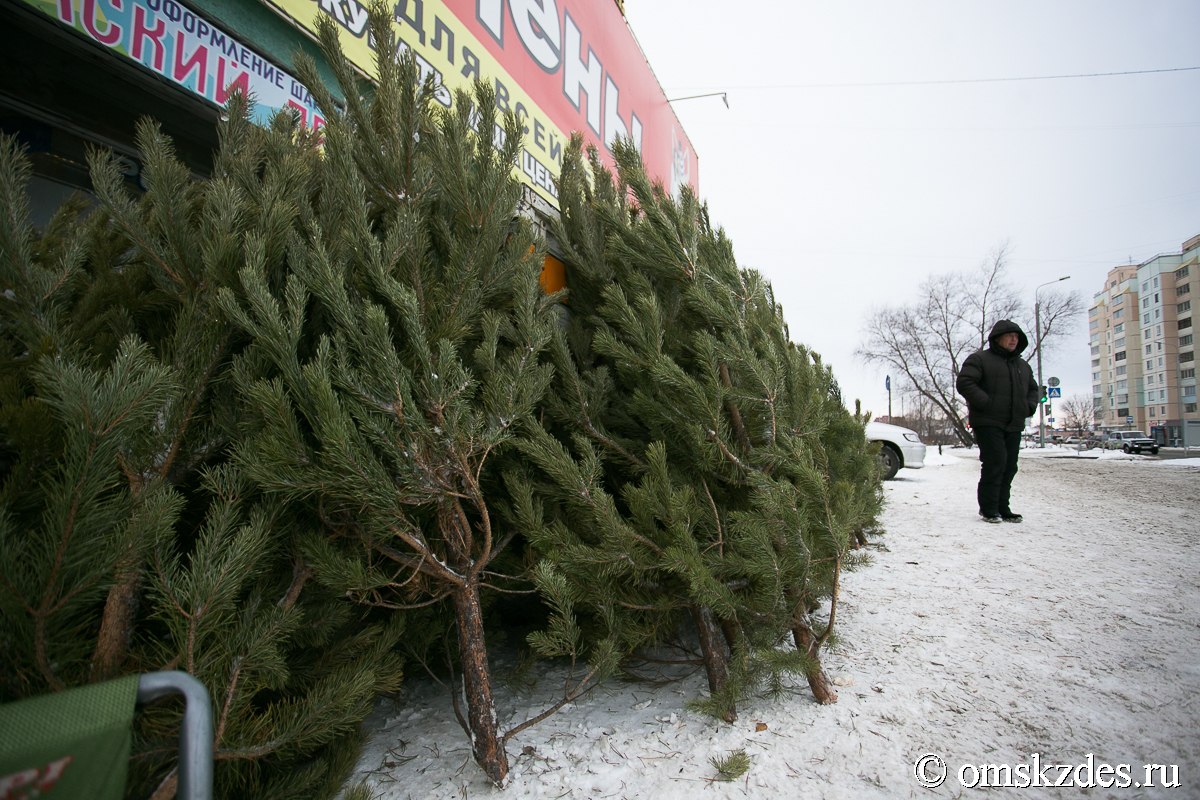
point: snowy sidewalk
(1075, 633)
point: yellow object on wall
(554, 275)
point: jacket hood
(1008, 326)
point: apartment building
(1114, 333)
(1142, 347)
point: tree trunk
(735, 416)
(486, 744)
(716, 659)
(116, 626)
(733, 634)
(818, 681)
(167, 789)
(860, 539)
(960, 430)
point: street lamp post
(1037, 338)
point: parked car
(1131, 442)
(899, 448)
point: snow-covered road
(1073, 635)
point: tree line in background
(309, 424)
(922, 344)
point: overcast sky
(847, 197)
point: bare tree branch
(922, 345)
(1077, 413)
(1059, 310)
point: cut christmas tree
(129, 542)
(703, 466)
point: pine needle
(730, 767)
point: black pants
(998, 454)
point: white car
(898, 448)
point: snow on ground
(1073, 636)
(1052, 450)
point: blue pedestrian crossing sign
(1054, 391)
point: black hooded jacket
(998, 385)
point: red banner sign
(579, 61)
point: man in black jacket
(1001, 394)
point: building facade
(79, 74)
(1114, 332)
(1143, 350)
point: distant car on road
(899, 448)
(1131, 442)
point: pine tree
(128, 541)
(401, 355)
(82, 396)
(717, 476)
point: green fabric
(70, 744)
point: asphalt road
(1177, 452)
(1165, 453)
